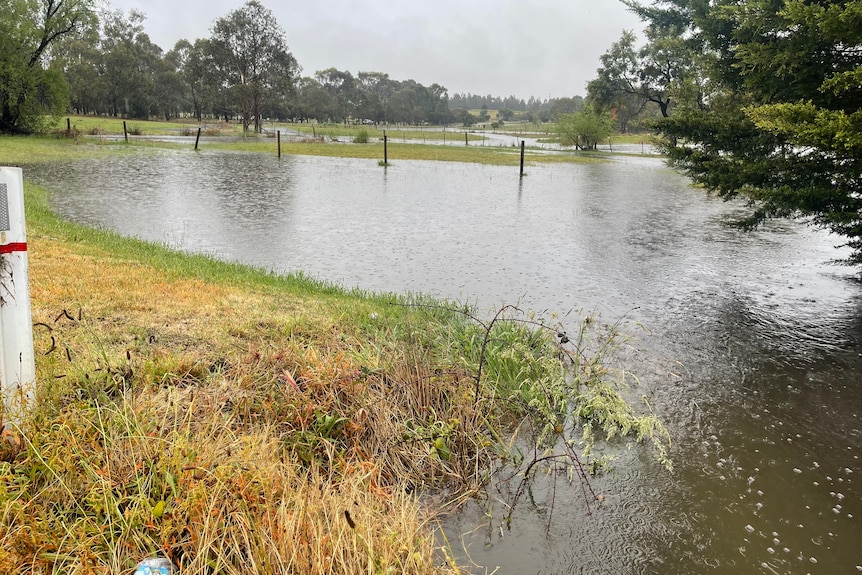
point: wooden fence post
(522, 158)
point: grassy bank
(237, 421)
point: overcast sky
(542, 48)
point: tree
(191, 63)
(781, 122)
(566, 106)
(80, 59)
(132, 64)
(668, 68)
(312, 101)
(375, 89)
(584, 129)
(341, 87)
(29, 88)
(250, 55)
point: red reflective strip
(16, 247)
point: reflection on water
(750, 349)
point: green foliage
(781, 112)
(520, 370)
(248, 52)
(361, 137)
(29, 88)
(631, 81)
(584, 129)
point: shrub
(361, 137)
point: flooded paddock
(748, 345)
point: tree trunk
(663, 106)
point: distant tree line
(59, 56)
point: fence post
(197, 138)
(278, 137)
(17, 360)
(522, 158)
(125, 132)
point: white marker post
(17, 362)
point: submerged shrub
(361, 137)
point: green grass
(92, 125)
(22, 150)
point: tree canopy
(584, 129)
(249, 52)
(777, 114)
(28, 86)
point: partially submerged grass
(107, 125)
(412, 133)
(16, 150)
(22, 150)
(404, 144)
(237, 421)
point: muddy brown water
(748, 345)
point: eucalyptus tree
(312, 101)
(249, 54)
(79, 56)
(781, 118)
(406, 104)
(29, 87)
(132, 64)
(171, 89)
(374, 91)
(437, 102)
(191, 62)
(663, 70)
(341, 88)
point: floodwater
(748, 345)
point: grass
(239, 421)
(17, 150)
(95, 125)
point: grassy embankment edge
(240, 421)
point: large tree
(29, 87)
(584, 129)
(249, 52)
(781, 122)
(375, 89)
(132, 66)
(667, 69)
